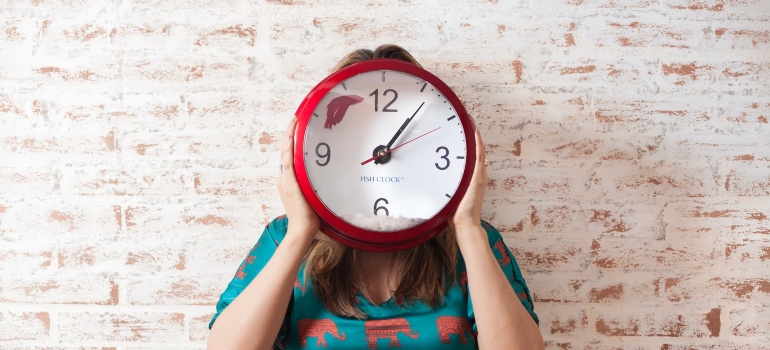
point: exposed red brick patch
(614, 292)
(578, 69)
(517, 70)
(613, 328)
(110, 140)
(238, 30)
(714, 322)
(208, 220)
(266, 139)
(680, 69)
(516, 148)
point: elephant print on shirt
(500, 246)
(241, 274)
(317, 328)
(376, 329)
(454, 325)
(464, 282)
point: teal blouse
(308, 325)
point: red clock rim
(356, 237)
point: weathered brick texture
(628, 143)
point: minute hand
(403, 126)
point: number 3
(444, 157)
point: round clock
(384, 152)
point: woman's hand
(468, 213)
(302, 218)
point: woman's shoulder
(276, 228)
(493, 235)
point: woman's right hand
(302, 218)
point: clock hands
(403, 126)
(395, 148)
(381, 153)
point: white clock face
(417, 172)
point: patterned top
(308, 325)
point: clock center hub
(382, 154)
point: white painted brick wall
(628, 142)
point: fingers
(287, 148)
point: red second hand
(394, 148)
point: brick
(134, 110)
(17, 37)
(720, 148)
(590, 6)
(209, 110)
(230, 34)
(232, 183)
(624, 74)
(699, 323)
(641, 221)
(199, 326)
(203, 144)
(545, 183)
(644, 255)
(16, 258)
(633, 33)
(503, 115)
(212, 71)
(122, 326)
(545, 255)
(720, 7)
(60, 289)
(28, 181)
(36, 148)
(567, 148)
(301, 35)
(741, 35)
(37, 222)
(721, 345)
(689, 113)
(80, 70)
(738, 221)
(563, 320)
(509, 217)
(745, 111)
(658, 182)
(705, 73)
(749, 322)
(221, 216)
(177, 290)
(748, 256)
(124, 182)
(16, 326)
(491, 35)
(619, 289)
(748, 182)
(720, 290)
(18, 111)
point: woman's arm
(501, 320)
(253, 319)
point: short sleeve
(511, 270)
(250, 267)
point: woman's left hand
(468, 213)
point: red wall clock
(384, 152)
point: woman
(299, 289)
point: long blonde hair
(422, 273)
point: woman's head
(423, 273)
(383, 51)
